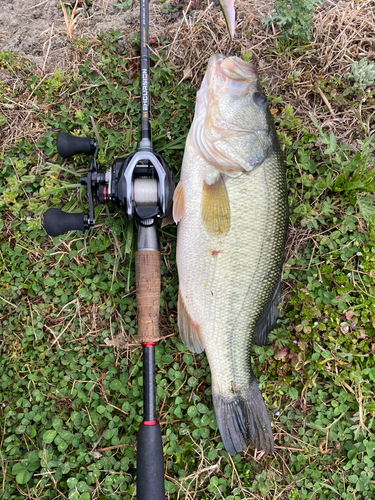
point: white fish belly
(226, 282)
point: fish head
(233, 129)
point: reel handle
(69, 145)
(57, 222)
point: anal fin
(267, 321)
(189, 330)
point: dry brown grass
(70, 18)
(343, 32)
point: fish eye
(259, 98)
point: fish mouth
(229, 73)
(227, 69)
(237, 69)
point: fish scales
(246, 269)
(229, 276)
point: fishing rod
(142, 185)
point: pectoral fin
(189, 330)
(215, 206)
(178, 203)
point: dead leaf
(118, 341)
(363, 335)
(349, 315)
(281, 354)
(302, 345)
(187, 73)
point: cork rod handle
(147, 275)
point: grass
(70, 18)
(71, 384)
(294, 18)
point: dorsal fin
(267, 321)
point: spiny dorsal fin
(215, 206)
(189, 330)
(267, 321)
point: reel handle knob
(69, 145)
(57, 222)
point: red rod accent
(149, 422)
(105, 194)
(148, 344)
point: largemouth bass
(232, 213)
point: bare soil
(37, 29)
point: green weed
(125, 5)
(294, 18)
(362, 73)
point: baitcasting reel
(141, 184)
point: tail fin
(244, 419)
(229, 14)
